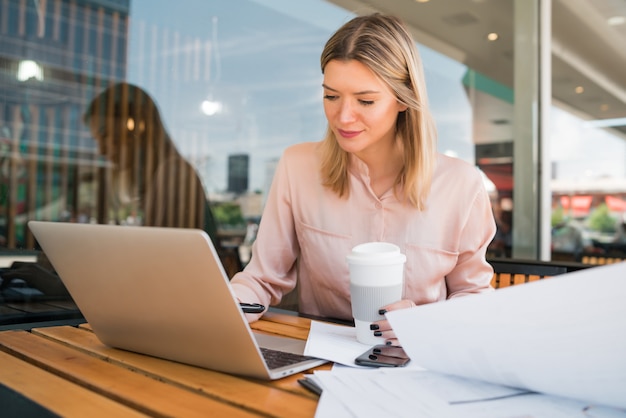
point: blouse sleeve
(271, 272)
(472, 273)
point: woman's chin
(351, 145)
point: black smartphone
(383, 356)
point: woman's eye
(366, 102)
(330, 97)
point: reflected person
(149, 178)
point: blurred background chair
(510, 272)
(600, 259)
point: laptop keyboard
(276, 358)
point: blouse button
(379, 205)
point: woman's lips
(348, 134)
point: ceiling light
(422, 1)
(616, 20)
(211, 107)
(492, 36)
(579, 89)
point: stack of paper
(551, 348)
(413, 393)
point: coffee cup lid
(375, 253)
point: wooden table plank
(53, 392)
(118, 383)
(280, 329)
(289, 383)
(292, 320)
(260, 396)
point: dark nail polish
(376, 351)
(387, 342)
(372, 357)
(382, 311)
(378, 333)
(374, 327)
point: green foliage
(228, 214)
(601, 220)
(557, 216)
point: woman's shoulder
(301, 153)
(456, 171)
(299, 165)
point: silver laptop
(162, 292)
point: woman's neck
(383, 169)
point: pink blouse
(306, 232)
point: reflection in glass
(230, 100)
(147, 181)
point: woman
(150, 182)
(376, 176)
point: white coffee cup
(376, 280)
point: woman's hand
(382, 328)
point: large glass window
(588, 144)
(150, 112)
(133, 112)
(588, 188)
(227, 84)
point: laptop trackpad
(275, 342)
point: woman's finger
(401, 304)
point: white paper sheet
(412, 393)
(336, 343)
(369, 393)
(564, 336)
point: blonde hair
(383, 44)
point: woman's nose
(346, 112)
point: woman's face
(361, 109)
(114, 137)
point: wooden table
(67, 370)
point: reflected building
(54, 57)
(238, 169)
